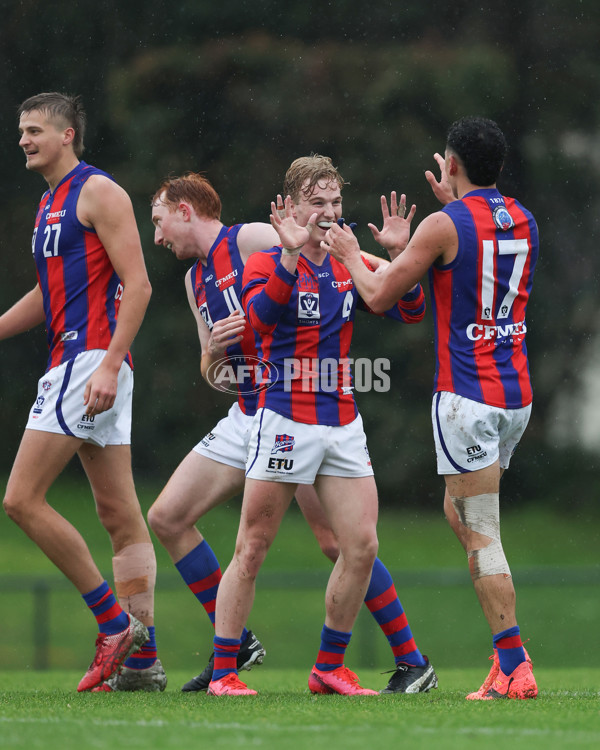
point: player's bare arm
(255, 237)
(441, 188)
(213, 344)
(434, 239)
(25, 314)
(107, 208)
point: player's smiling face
(326, 201)
(42, 140)
(170, 229)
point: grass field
(42, 711)
(554, 559)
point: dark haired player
(480, 250)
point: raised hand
(441, 189)
(293, 237)
(341, 243)
(395, 232)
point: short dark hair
(481, 146)
(57, 106)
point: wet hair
(59, 107)
(481, 146)
(314, 169)
(192, 188)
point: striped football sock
(226, 653)
(144, 657)
(383, 603)
(333, 648)
(111, 618)
(510, 649)
(201, 571)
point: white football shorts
(470, 436)
(59, 404)
(282, 450)
(227, 443)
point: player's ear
(68, 136)
(185, 211)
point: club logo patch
(283, 444)
(502, 219)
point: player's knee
(488, 561)
(250, 554)
(110, 518)
(15, 508)
(328, 544)
(160, 522)
(370, 551)
(10, 507)
(479, 516)
(168, 524)
(361, 552)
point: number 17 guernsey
(480, 298)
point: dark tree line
(239, 89)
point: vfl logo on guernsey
(283, 444)
(502, 219)
(69, 336)
(308, 306)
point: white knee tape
(481, 513)
(488, 561)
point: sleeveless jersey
(218, 289)
(303, 325)
(479, 301)
(81, 291)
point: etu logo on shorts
(283, 444)
(475, 453)
(86, 422)
(281, 464)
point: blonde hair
(311, 170)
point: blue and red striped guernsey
(480, 298)
(81, 291)
(217, 289)
(303, 325)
